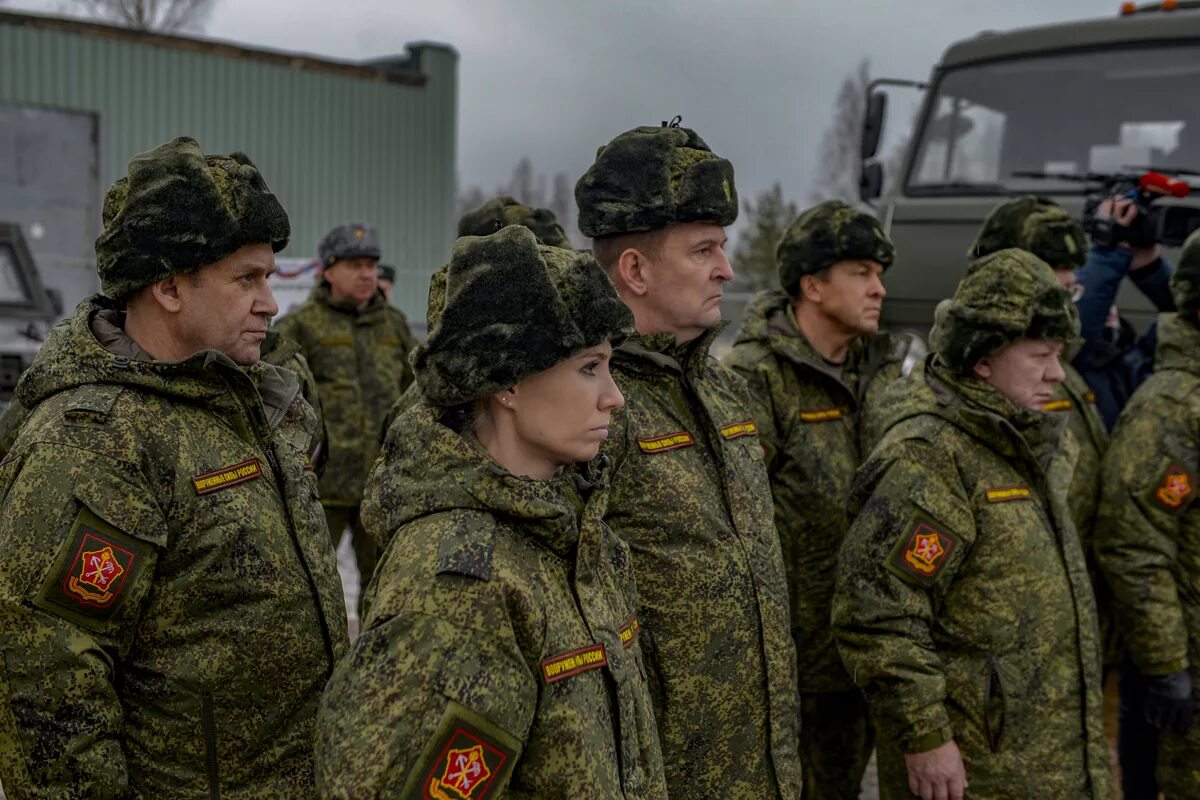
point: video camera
(1167, 225)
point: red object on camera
(1158, 183)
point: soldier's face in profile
(686, 278)
(1026, 371)
(228, 305)
(851, 294)
(561, 415)
(354, 279)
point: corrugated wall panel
(333, 147)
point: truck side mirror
(872, 128)
(870, 182)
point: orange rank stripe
(661, 444)
(1008, 493)
(738, 429)
(629, 632)
(227, 476)
(557, 668)
(821, 415)
(1057, 405)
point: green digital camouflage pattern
(648, 178)
(694, 505)
(1148, 534)
(1036, 224)
(488, 580)
(283, 352)
(825, 234)
(1185, 280)
(514, 308)
(504, 210)
(11, 420)
(215, 205)
(808, 415)
(194, 670)
(360, 362)
(962, 605)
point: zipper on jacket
(993, 694)
(209, 724)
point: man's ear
(810, 288)
(982, 370)
(631, 270)
(166, 294)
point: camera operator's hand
(1122, 211)
(1170, 702)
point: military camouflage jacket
(360, 361)
(283, 352)
(1076, 401)
(962, 605)
(170, 608)
(1148, 534)
(690, 497)
(808, 414)
(11, 419)
(502, 652)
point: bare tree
(838, 168)
(151, 15)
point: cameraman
(1114, 360)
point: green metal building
(337, 141)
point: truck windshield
(12, 288)
(1094, 111)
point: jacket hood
(768, 321)
(649, 352)
(426, 468)
(1178, 343)
(90, 347)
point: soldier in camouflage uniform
(357, 346)
(387, 280)
(1040, 226)
(811, 353)
(1148, 534)
(689, 490)
(283, 352)
(170, 609)
(502, 652)
(962, 605)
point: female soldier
(500, 654)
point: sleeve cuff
(928, 741)
(1163, 667)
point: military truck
(49, 219)
(1095, 96)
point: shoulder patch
(468, 758)
(223, 478)
(661, 444)
(735, 430)
(821, 414)
(93, 400)
(1175, 489)
(1058, 405)
(573, 662)
(922, 551)
(1008, 493)
(95, 566)
(466, 548)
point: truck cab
(27, 310)
(1106, 95)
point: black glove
(1170, 701)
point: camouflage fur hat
(1036, 224)
(348, 240)
(1006, 296)
(825, 234)
(387, 273)
(502, 211)
(514, 308)
(178, 210)
(1185, 282)
(649, 178)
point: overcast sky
(554, 79)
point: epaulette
(93, 402)
(467, 545)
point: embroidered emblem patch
(923, 551)
(1008, 493)
(1090, 397)
(227, 476)
(629, 632)
(1175, 489)
(1057, 405)
(93, 570)
(738, 429)
(467, 766)
(557, 668)
(821, 415)
(661, 444)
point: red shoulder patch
(467, 767)
(1175, 489)
(922, 551)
